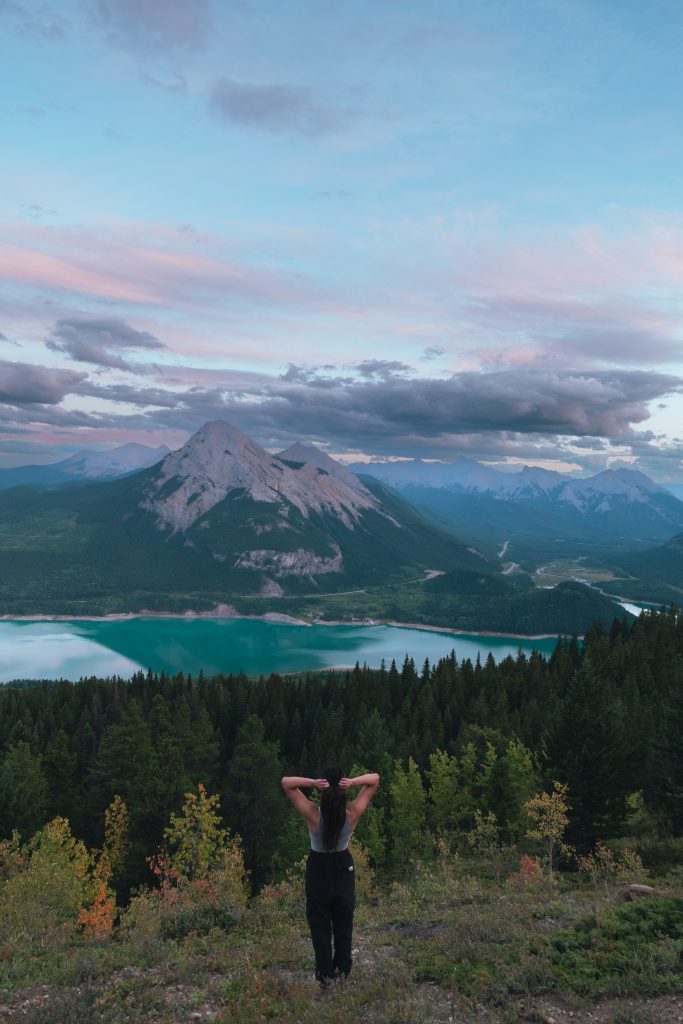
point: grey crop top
(342, 842)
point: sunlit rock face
(219, 459)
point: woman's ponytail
(332, 808)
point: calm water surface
(69, 650)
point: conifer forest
(450, 740)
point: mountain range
(222, 517)
(223, 521)
(619, 508)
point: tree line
(457, 745)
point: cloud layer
(401, 415)
(23, 384)
(99, 340)
(397, 414)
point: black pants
(330, 902)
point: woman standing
(330, 879)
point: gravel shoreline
(228, 612)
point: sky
(393, 229)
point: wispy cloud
(156, 266)
(44, 23)
(281, 109)
(583, 296)
(175, 83)
(149, 26)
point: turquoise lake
(69, 650)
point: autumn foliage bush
(201, 883)
(180, 906)
(52, 880)
(607, 868)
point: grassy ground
(443, 946)
(560, 569)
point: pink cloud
(39, 270)
(152, 265)
(576, 297)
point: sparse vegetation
(444, 944)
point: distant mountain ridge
(615, 505)
(86, 465)
(529, 482)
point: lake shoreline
(228, 612)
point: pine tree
(126, 765)
(253, 802)
(510, 784)
(586, 749)
(59, 765)
(23, 791)
(407, 834)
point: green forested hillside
(653, 575)
(94, 547)
(539, 527)
(465, 600)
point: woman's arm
(358, 807)
(369, 779)
(291, 785)
(299, 782)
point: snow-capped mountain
(86, 465)
(619, 504)
(597, 493)
(129, 458)
(463, 473)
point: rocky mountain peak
(220, 459)
(317, 457)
